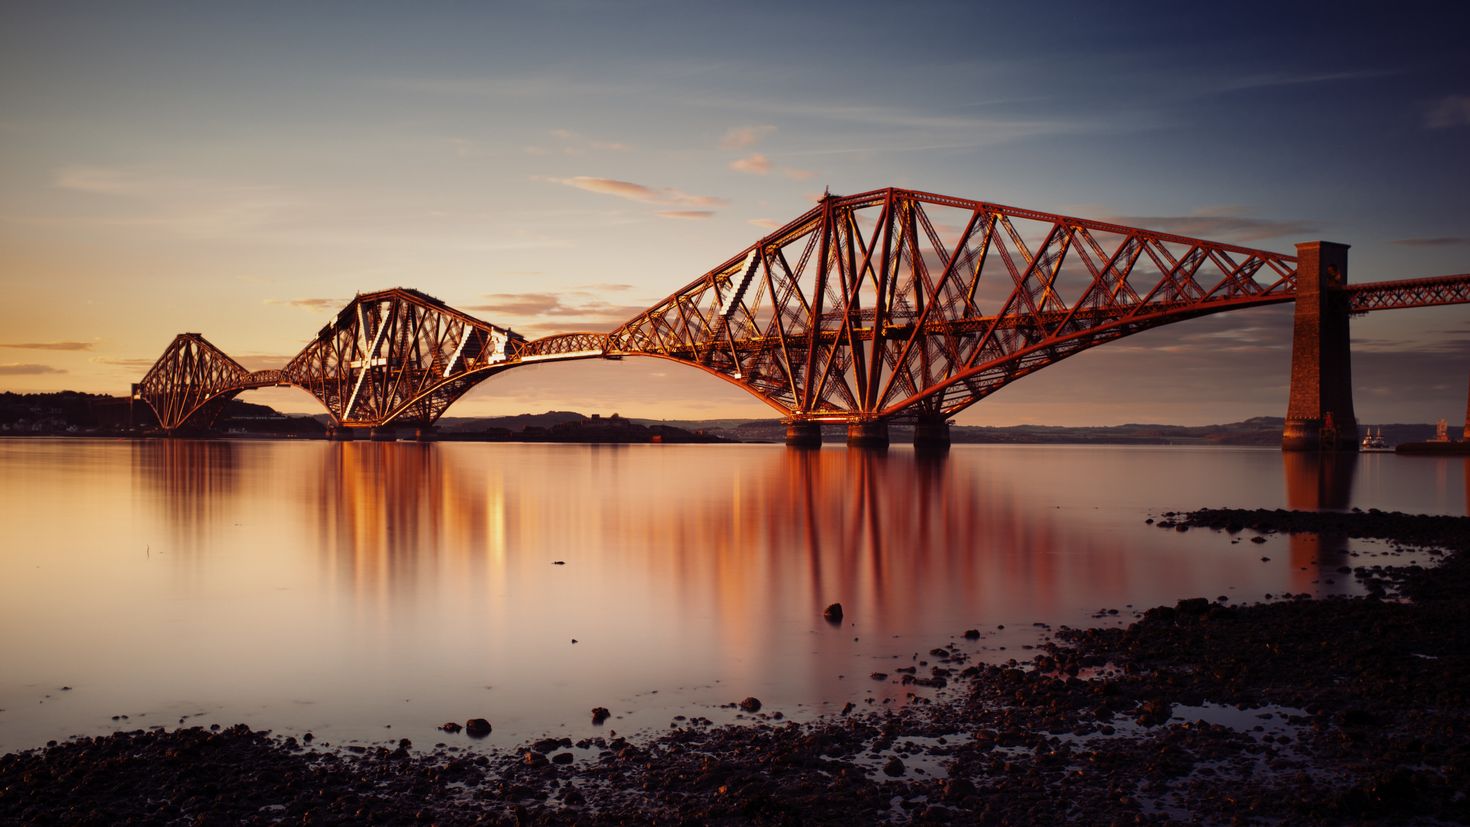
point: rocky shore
(1290, 711)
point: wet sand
(1290, 711)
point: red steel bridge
(891, 304)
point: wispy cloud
(545, 313)
(753, 164)
(1436, 241)
(880, 128)
(797, 174)
(543, 86)
(50, 345)
(569, 143)
(1450, 111)
(686, 214)
(639, 192)
(765, 223)
(313, 304)
(131, 363)
(1221, 224)
(743, 137)
(14, 369)
(104, 180)
(263, 361)
(153, 199)
(574, 141)
(1270, 79)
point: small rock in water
(558, 562)
(451, 727)
(972, 634)
(600, 714)
(751, 704)
(893, 768)
(833, 613)
(477, 727)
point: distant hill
(1261, 430)
(70, 412)
(519, 422)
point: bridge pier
(802, 434)
(871, 433)
(1320, 415)
(931, 435)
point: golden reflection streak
(896, 538)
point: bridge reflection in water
(397, 581)
(1320, 482)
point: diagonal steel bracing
(891, 303)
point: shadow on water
(1319, 482)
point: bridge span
(869, 308)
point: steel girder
(190, 373)
(897, 302)
(192, 380)
(399, 356)
(1393, 295)
(885, 304)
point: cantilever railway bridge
(865, 309)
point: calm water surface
(344, 589)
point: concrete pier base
(870, 434)
(931, 436)
(1317, 435)
(803, 435)
(1320, 415)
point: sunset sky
(241, 170)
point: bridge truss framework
(891, 304)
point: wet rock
(563, 758)
(833, 613)
(751, 704)
(477, 727)
(599, 715)
(893, 767)
(451, 727)
(972, 634)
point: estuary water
(367, 592)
